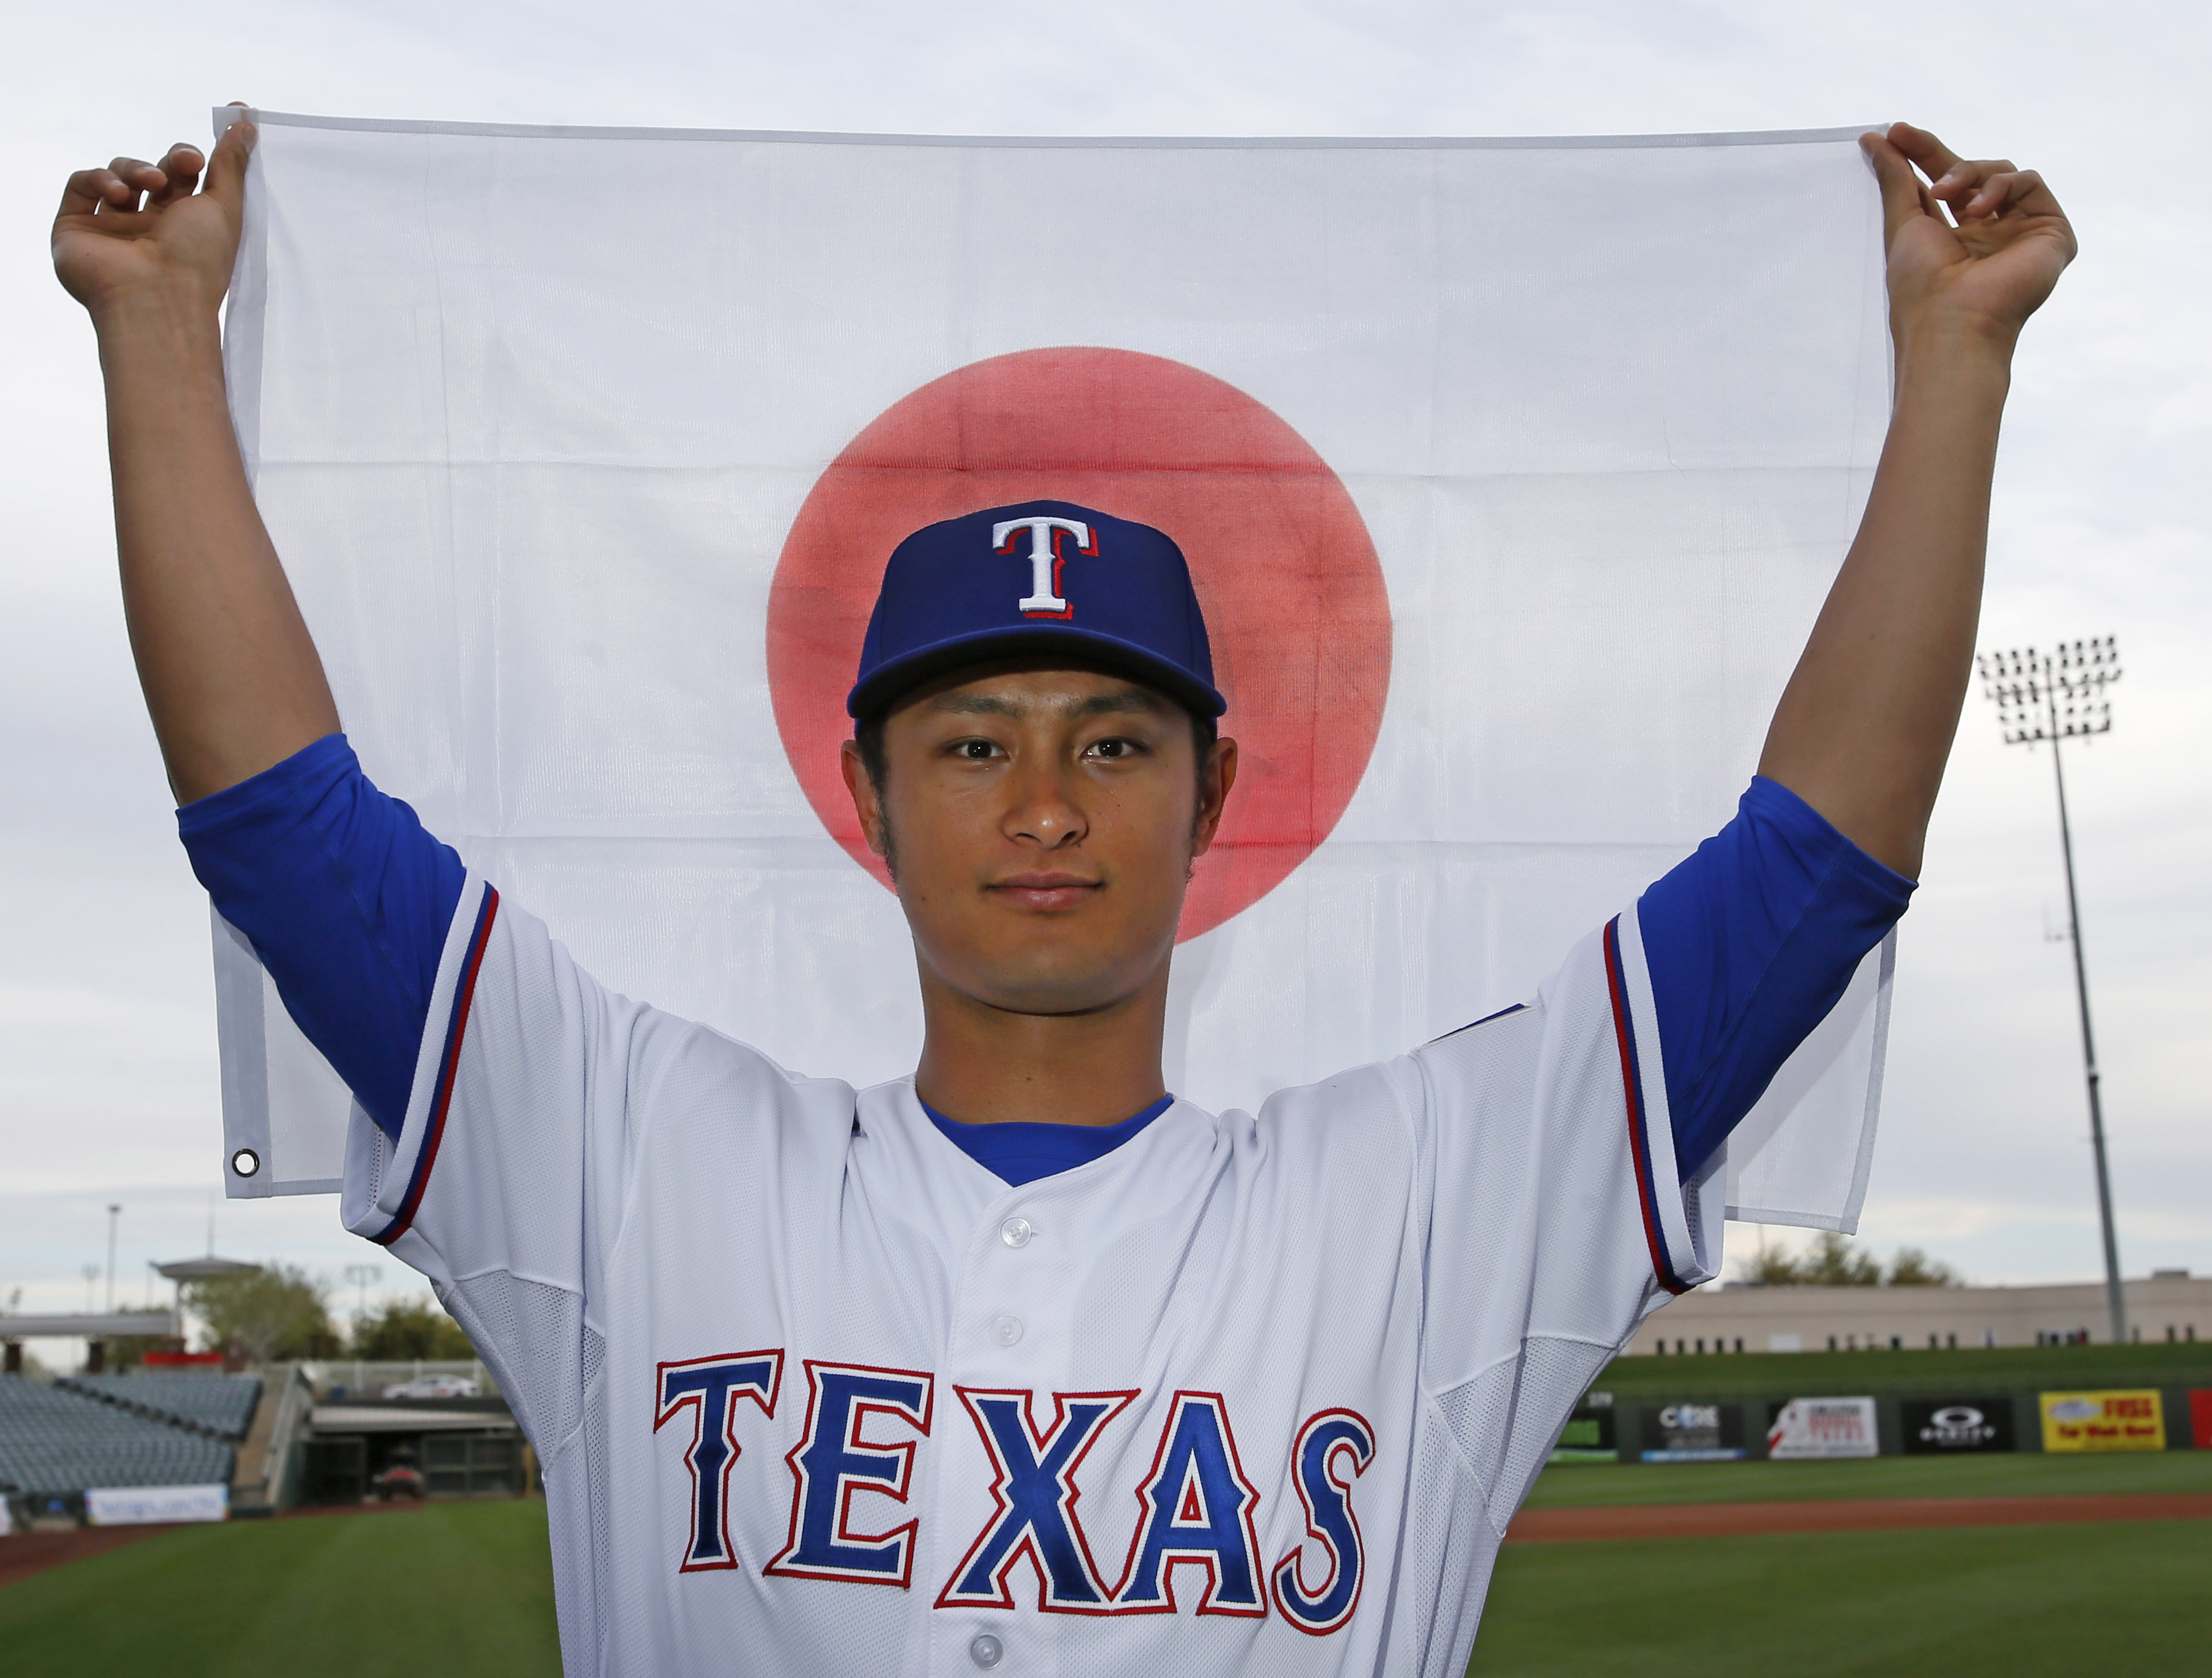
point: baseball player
(1019, 1363)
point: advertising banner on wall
(1693, 1433)
(1811, 1429)
(2128, 1420)
(1945, 1426)
(2200, 1419)
(1590, 1435)
(153, 1506)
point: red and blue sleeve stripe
(1647, 1183)
(449, 1062)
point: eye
(1114, 748)
(975, 750)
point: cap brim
(888, 681)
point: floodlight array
(2058, 695)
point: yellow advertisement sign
(2133, 1420)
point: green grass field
(2012, 1475)
(449, 1590)
(464, 1590)
(1971, 1602)
(1967, 1602)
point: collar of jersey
(1019, 1151)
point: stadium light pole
(2057, 697)
(113, 1214)
(361, 1275)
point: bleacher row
(53, 1441)
(221, 1406)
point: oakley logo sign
(1046, 534)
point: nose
(1043, 810)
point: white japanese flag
(1511, 473)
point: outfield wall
(1914, 1396)
(1735, 1427)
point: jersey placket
(1011, 1333)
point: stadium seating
(220, 1405)
(54, 1441)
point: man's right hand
(138, 228)
(232, 678)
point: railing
(294, 1398)
(337, 1377)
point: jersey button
(1007, 1330)
(986, 1651)
(1017, 1231)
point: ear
(1213, 795)
(866, 804)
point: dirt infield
(1720, 1520)
(27, 1552)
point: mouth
(1044, 890)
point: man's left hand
(1991, 270)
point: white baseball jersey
(818, 1394)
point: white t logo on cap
(1043, 600)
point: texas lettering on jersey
(865, 1425)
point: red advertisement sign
(2200, 1419)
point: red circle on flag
(1286, 576)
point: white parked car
(436, 1386)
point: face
(1042, 823)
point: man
(1020, 1361)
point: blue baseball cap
(1044, 576)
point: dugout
(463, 1448)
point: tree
(272, 1314)
(407, 1330)
(1913, 1268)
(1833, 1262)
(1772, 1268)
(126, 1351)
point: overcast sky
(108, 1090)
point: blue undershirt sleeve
(1750, 943)
(345, 899)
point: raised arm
(1865, 724)
(345, 897)
(231, 676)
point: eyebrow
(1126, 701)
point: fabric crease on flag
(1511, 474)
